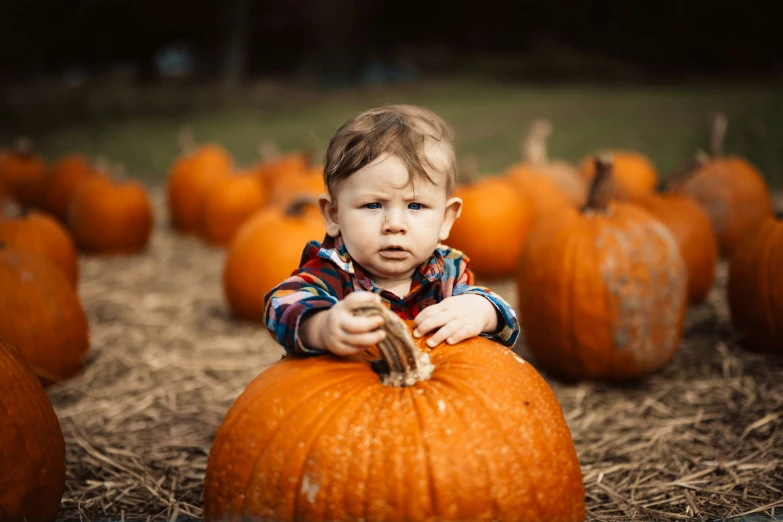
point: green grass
(667, 123)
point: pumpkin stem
(23, 146)
(268, 150)
(683, 171)
(405, 364)
(12, 210)
(468, 172)
(187, 139)
(534, 144)
(299, 203)
(719, 124)
(602, 187)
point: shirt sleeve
(508, 324)
(312, 288)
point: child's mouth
(394, 253)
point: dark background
(340, 40)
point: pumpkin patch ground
(702, 439)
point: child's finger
(429, 324)
(360, 324)
(445, 331)
(356, 299)
(363, 340)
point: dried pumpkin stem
(268, 149)
(719, 124)
(683, 171)
(187, 139)
(23, 146)
(602, 187)
(299, 204)
(534, 149)
(405, 363)
(468, 172)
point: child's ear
(453, 211)
(329, 214)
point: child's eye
(415, 206)
(373, 206)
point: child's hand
(459, 317)
(343, 333)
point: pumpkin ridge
(574, 245)
(248, 407)
(338, 408)
(478, 394)
(333, 409)
(484, 462)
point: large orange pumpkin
(32, 448)
(731, 190)
(551, 183)
(111, 216)
(264, 252)
(296, 184)
(230, 202)
(190, 179)
(40, 313)
(755, 287)
(634, 173)
(64, 180)
(493, 227)
(22, 172)
(463, 432)
(602, 292)
(40, 234)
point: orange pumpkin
(110, 216)
(32, 448)
(22, 172)
(64, 180)
(550, 183)
(634, 173)
(692, 229)
(731, 190)
(305, 182)
(230, 202)
(755, 287)
(602, 291)
(276, 168)
(40, 314)
(493, 226)
(264, 252)
(191, 178)
(463, 432)
(40, 234)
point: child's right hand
(340, 331)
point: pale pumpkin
(459, 432)
(602, 291)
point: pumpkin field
(633, 231)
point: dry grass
(701, 440)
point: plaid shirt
(326, 275)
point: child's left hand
(459, 317)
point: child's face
(387, 227)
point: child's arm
(468, 311)
(306, 315)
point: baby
(390, 173)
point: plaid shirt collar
(333, 248)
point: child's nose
(394, 223)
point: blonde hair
(406, 131)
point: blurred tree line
(345, 39)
